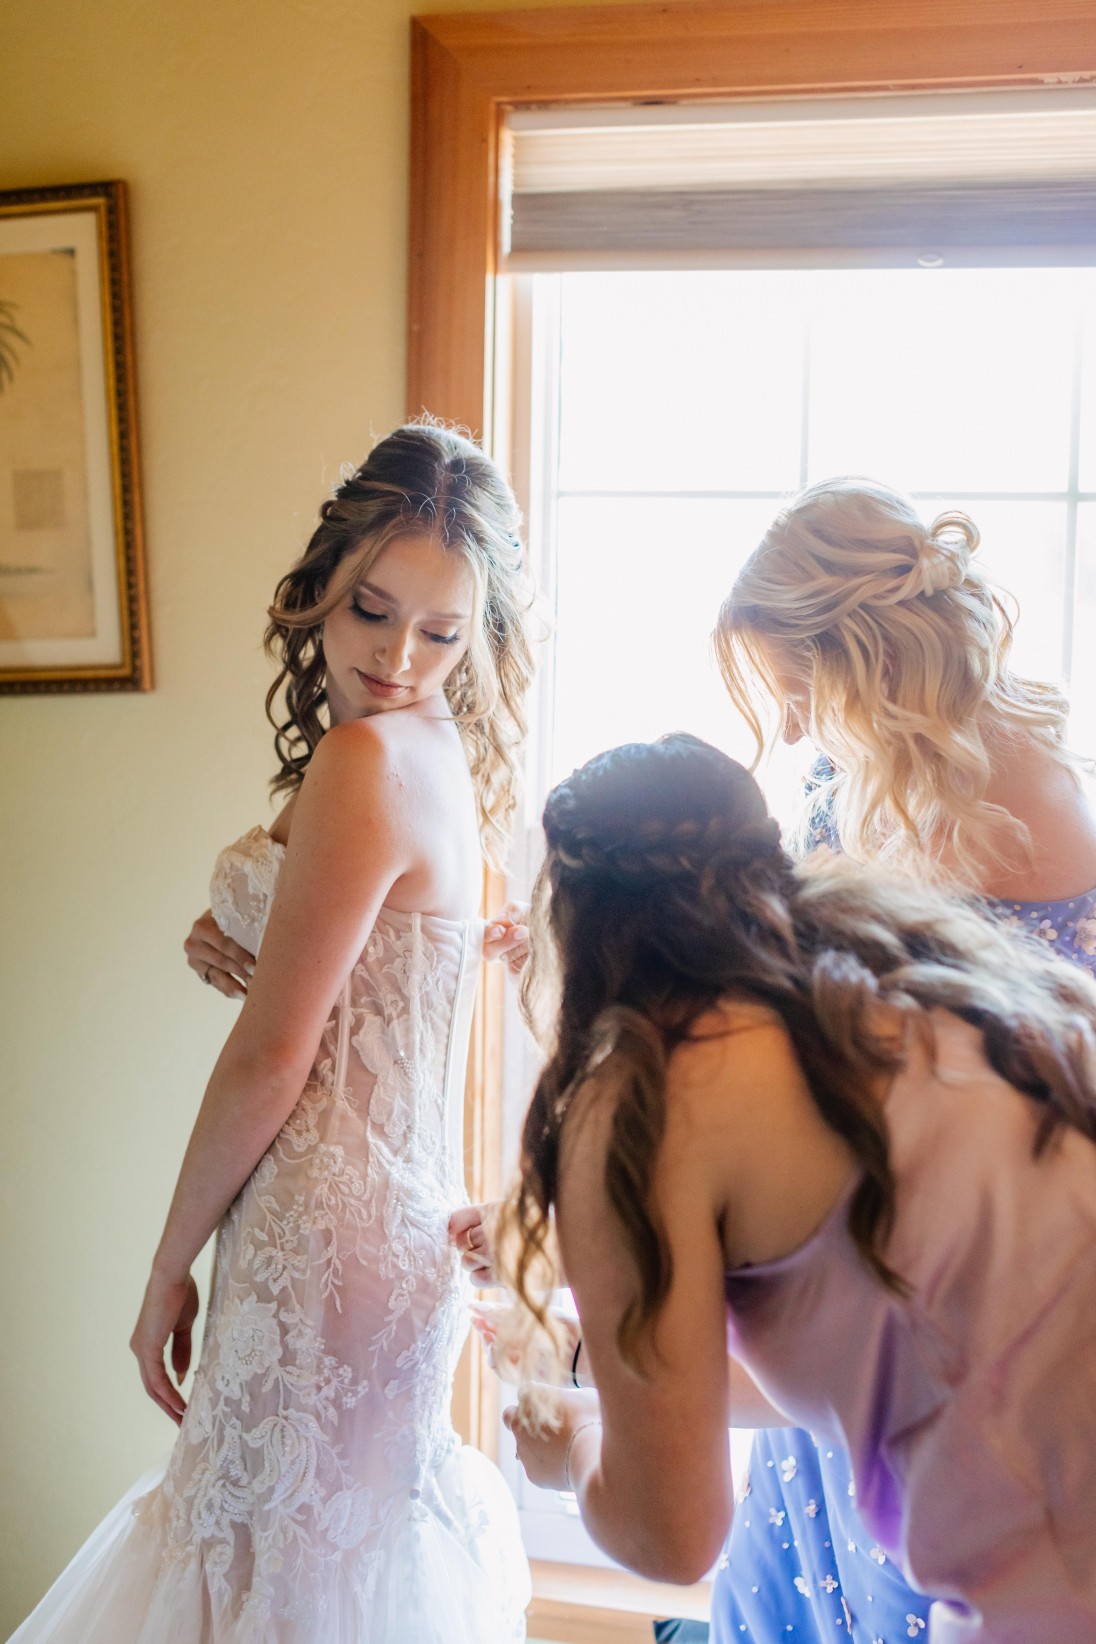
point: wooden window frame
(467, 71)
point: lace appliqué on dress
(320, 1417)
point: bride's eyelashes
(380, 616)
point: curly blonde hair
(431, 480)
(903, 647)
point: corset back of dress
(390, 1067)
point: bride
(317, 1492)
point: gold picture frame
(73, 594)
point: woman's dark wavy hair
(428, 479)
(664, 890)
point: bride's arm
(329, 894)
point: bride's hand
(216, 959)
(168, 1310)
(507, 936)
(469, 1231)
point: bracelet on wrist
(581, 1428)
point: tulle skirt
(448, 1571)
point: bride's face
(400, 631)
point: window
(673, 410)
(686, 405)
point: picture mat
(86, 549)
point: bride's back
(337, 1312)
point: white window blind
(964, 178)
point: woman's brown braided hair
(428, 479)
(664, 890)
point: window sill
(574, 1604)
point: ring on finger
(205, 973)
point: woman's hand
(553, 1460)
(168, 1310)
(216, 959)
(486, 1318)
(507, 936)
(490, 1319)
(469, 1231)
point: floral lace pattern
(319, 1421)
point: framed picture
(73, 600)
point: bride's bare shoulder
(365, 749)
(401, 734)
(357, 775)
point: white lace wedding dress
(317, 1492)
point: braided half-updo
(665, 890)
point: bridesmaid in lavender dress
(882, 640)
(846, 1121)
(799, 1563)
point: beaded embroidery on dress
(317, 1492)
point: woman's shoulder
(348, 764)
(401, 732)
(733, 1040)
(1047, 798)
(367, 750)
(356, 740)
(737, 1044)
(1030, 779)
(390, 788)
(354, 782)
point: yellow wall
(265, 145)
